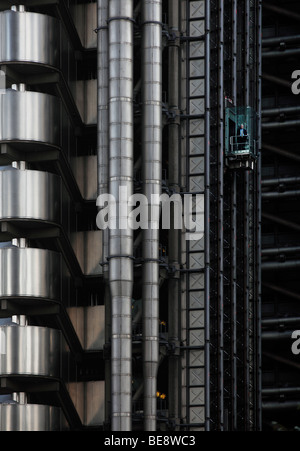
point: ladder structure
(197, 179)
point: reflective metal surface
(88, 249)
(29, 417)
(29, 37)
(29, 116)
(85, 18)
(86, 100)
(89, 398)
(152, 185)
(121, 163)
(85, 172)
(34, 273)
(28, 195)
(30, 350)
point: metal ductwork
(29, 350)
(29, 117)
(32, 353)
(24, 185)
(42, 211)
(16, 416)
(30, 273)
(152, 181)
(121, 164)
(29, 38)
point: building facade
(145, 328)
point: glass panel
(240, 132)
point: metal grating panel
(196, 410)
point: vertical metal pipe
(259, 246)
(247, 231)
(121, 164)
(234, 299)
(174, 184)
(103, 149)
(207, 215)
(246, 269)
(233, 234)
(234, 52)
(247, 53)
(152, 181)
(220, 217)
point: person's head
(242, 125)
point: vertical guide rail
(252, 226)
(221, 217)
(174, 151)
(233, 234)
(207, 216)
(234, 380)
(196, 372)
(246, 230)
(213, 216)
(257, 299)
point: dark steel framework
(234, 225)
(280, 214)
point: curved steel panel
(30, 117)
(30, 273)
(29, 37)
(30, 351)
(32, 195)
(29, 417)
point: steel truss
(234, 226)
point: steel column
(152, 180)
(121, 165)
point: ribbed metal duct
(29, 418)
(30, 273)
(152, 182)
(30, 351)
(121, 163)
(28, 38)
(29, 117)
(30, 195)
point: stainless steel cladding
(121, 163)
(30, 351)
(30, 273)
(29, 418)
(29, 117)
(29, 38)
(152, 181)
(30, 195)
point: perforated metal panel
(196, 384)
